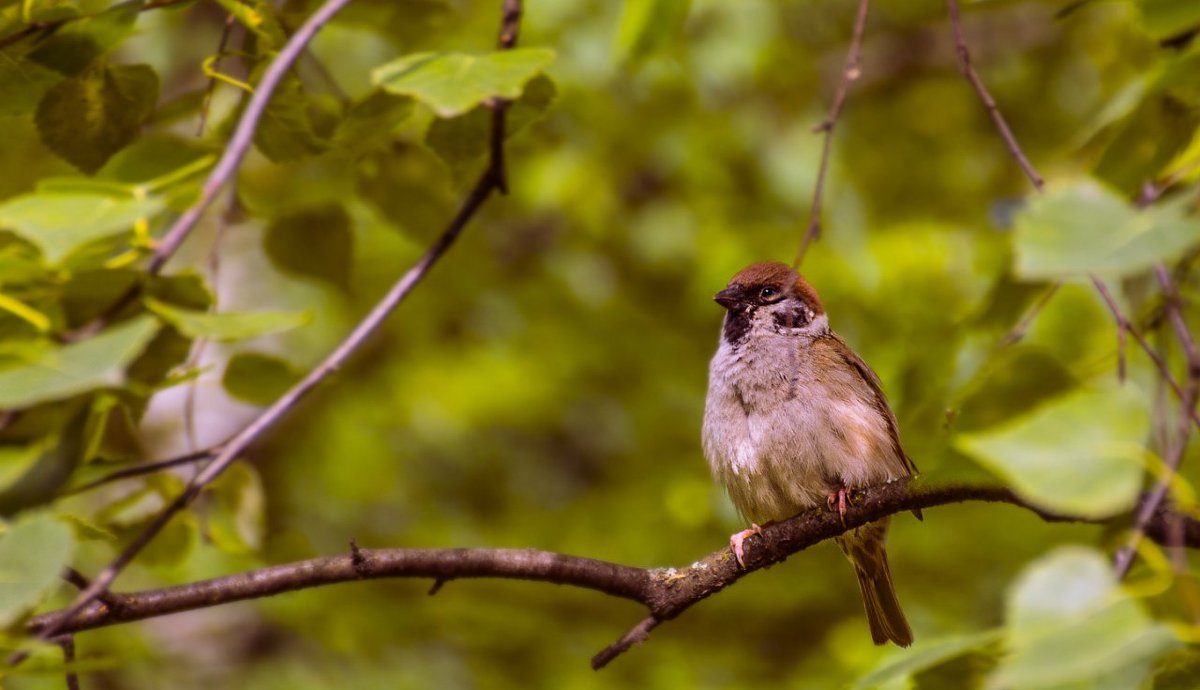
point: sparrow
(794, 419)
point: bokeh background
(544, 387)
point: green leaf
(1069, 622)
(32, 556)
(1167, 18)
(1079, 454)
(453, 83)
(60, 223)
(56, 461)
(314, 243)
(1085, 228)
(649, 26)
(371, 121)
(900, 666)
(410, 187)
(228, 326)
(286, 132)
(236, 519)
(78, 43)
(23, 83)
(66, 370)
(258, 379)
(89, 117)
(463, 142)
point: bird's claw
(736, 541)
(838, 501)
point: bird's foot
(736, 540)
(837, 501)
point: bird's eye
(768, 292)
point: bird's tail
(866, 549)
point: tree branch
(491, 180)
(665, 592)
(1187, 409)
(968, 72)
(850, 73)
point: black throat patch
(737, 325)
(797, 317)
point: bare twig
(148, 468)
(211, 87)
(1174, 453)
(67, 642)
(1018, 331)
(850, 73)
(665, 592)
(636, 635)
(488, 182)
(1125, 326)
(968, 71)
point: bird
(794, 418)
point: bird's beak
(730, 297)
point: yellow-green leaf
(453, 83)
(228, 326)
(66, 370)
(32, 555)
(1080, 454)
(59, 223)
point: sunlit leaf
(1079, 454)
(32, 555)
(1086, 228)
(69, 369)
(227, 326)
(60, 223)
(1069, 622)
(453, 83)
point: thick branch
(666, 592)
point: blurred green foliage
(544, 386)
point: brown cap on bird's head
(747, 284)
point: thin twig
(850, 73)
(67, 642)
(148, 468)
(1175, 451)
(968, 71)
(1018, 331)
(228, 217)
(488, 182)
(211, 87)
(1125, 326)
(636, 635)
